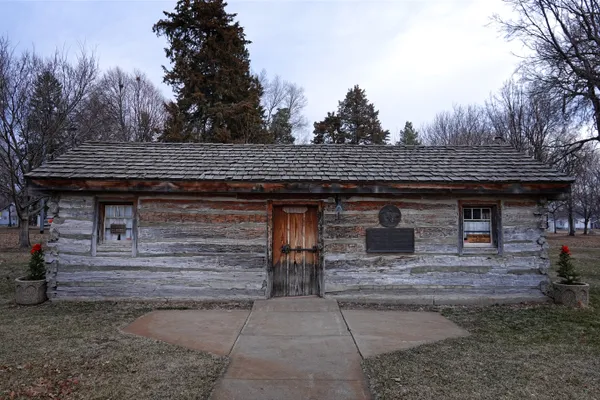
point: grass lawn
(514, 352)
(74, 350)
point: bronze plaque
(118, 229)
(390, 240)
(389, 216)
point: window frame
(98, 233)
(493, 234)
(495, 229)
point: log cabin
(414, 224)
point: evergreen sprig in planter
(31, 289)
(569, 290)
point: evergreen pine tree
(356, 122)
(174, 128)
(44, 120)
(409, 136)
(217, 96)
(281, 127)
(329, 131)
(360, 120)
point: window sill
(121, 248)
(479, 250)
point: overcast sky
(413, 57)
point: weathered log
(200, 246)
(217, 261)
(202, 231)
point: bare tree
(124, 107)
(90, 121)
(528, 119)
(564, 39)
(113, 91)
(571, 164)
(296, 102)
(278, 95)
(586, 190)
(37, 100)
(555, 207)
(463, 126)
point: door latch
(287, 249)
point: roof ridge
(311, 145)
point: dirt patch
(9, 238)
(579, 240)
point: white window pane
(477, 232)
(120, 214)
(477, 226)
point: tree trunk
(9, 216)
(24, 232)
(585, 225)
(571, 219)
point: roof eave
(547, 188)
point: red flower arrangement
(566, 269)
(36, 247)
(37, 268)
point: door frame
(320, 258)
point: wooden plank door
(295, 253)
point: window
(478, 229)
(117, 222)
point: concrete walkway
(295, 348)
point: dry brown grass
(75, 350)
(9, 238)
(514, 352)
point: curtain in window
(118, 222)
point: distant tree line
(550, 110)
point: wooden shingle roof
(297, 163)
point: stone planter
(576, 295)
(30, 292)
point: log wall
(438, 262)
(216, 247)
(186, 247)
